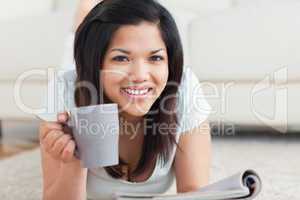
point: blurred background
(244, 52)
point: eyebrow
(128, 52)
(155, 51)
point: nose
(139, 72)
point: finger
(62, 117)
(51, 138)
(46, 126)
(53, 125)
(59, 145)
(68, 152)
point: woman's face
(135, 68)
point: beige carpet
(275, 159)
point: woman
(139, 40)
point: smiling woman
(131, 53)
(114, 52)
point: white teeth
(136, 92)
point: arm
(63, 177)
(83, 9)
(69, 185)
(192, 166)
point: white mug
(96, 133)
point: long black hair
(92, 39)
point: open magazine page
(244, 185)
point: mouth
(136, 93)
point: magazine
(245, 185)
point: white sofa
(245, 54)
(233, 44)
(246, 45)
(31, 38)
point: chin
(136, 113)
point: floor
(17, 137)
(274, 156)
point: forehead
(142, 36)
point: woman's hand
(56, 140)
(63, 176)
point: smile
(136, 93)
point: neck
(129, 125)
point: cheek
(162, 77)
(110, 83)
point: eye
(156, 58)
(120, 59)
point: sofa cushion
(31, 97)
(247, 43)
(32, 42)
(202, 7)
(21, 8)
(252, 104)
